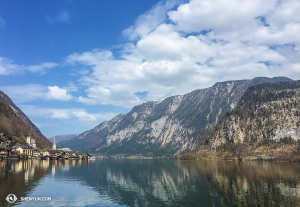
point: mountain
(265, 125)
(62, 137)
(166, 127)
(15, 124)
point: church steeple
(54, 145)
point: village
(16, 150)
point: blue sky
(69, 65)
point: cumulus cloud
(62, 16)
(32, 92)
(174, 51)
(56, 93)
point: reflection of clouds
(67, 193)
(107, 182)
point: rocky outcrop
(170, 126)
(266, 124)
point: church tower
(54, 145)
(28, 140)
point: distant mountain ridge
(62, 137)
(265, 125)
(17, 124)
(168, 127)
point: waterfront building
(28, 151)
(36, 153)
(20, 149)
(45, 152)
(54, 154)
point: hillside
(62, 137)
(167, 127)
(14, 123)
(265, 125)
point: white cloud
(79, 114)
(8, 67)
(56, 93)
(25, 93)
(71, 87)
(220, 15)
(41, 67)
(194, 46)
(32, 92)
(150, 20)
(62, 16)
(2, 23)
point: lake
(126, 182)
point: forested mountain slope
(16, 125)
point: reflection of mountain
(19, 177)
(254, 183)
(146, 182)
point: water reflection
(254, 183)
(19, 177)
(113, 182)
(149, 183)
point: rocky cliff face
(25, 119)
(266, 124)
(170, 126)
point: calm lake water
(121, 182)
